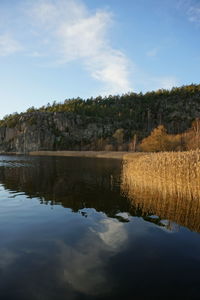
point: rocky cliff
(51, 131)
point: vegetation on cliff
(111, 123)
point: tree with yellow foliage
(157, 141)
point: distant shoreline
(92, 154)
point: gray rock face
(51, 131)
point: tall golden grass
(166, 184)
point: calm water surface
(67, 231)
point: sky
(52, 50)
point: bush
(157, 141)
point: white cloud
(8, 45)
(62, 31)
(74, 33)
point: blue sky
(57, 49)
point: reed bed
(166, 184)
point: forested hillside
(109, 123)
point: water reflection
(67, 232)
(88, 183)
(73, 183)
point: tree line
(135, 118)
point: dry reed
(166, 184)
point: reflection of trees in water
(160, 199)
(74, 183)
(78, 183)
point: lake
(70, 230)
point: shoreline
(92, 154)
(88, 154)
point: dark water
(68, 232)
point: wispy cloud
(8, 45)
(63, 31)
(71, 31)
(194, 13)
(191, 8)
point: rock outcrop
(51, 131)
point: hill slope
(95, 124)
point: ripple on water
(15, 161)
(14, 164)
